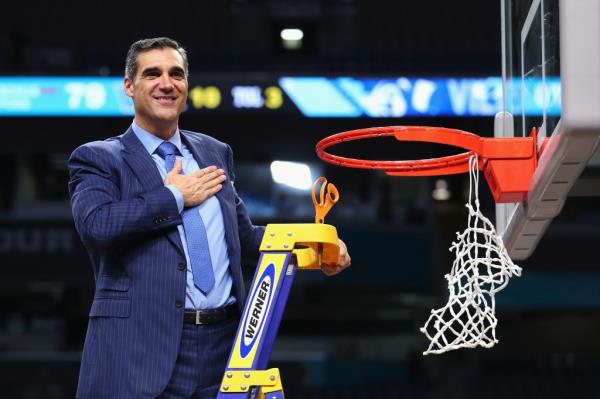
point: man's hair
(131, 64)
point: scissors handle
(328, 196)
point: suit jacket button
(178, 303)
(181, 266)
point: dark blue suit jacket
(127, 220)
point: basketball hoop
(507, 163)
(482, 266)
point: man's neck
(164, 132)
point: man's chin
(167, 115)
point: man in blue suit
(164, 227)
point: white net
(481, 268)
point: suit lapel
(144, 168)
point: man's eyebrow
(150, 70)
(177, 69)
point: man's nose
(165, 82)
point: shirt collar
(151, 142)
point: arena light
(291, 174)
(291, 38)
(441, 191)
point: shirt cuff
(178, 196)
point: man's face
(159, 89)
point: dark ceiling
(341, 36)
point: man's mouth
(165, 100)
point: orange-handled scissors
(328, 196)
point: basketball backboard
(551, 82)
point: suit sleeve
(102, 217)
(250, 235)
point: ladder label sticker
(255, 316)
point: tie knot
(166, 148)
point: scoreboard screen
(306, 96)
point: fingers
(204, 171)
(212, 178)
(209, 176)
(174, 173)
(213, 190)
(344, 258)
(344, 261)
(176, 167)
(331, 270)
(208, 182)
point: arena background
(351, 336)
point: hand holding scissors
(328, 196)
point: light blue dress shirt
(210, 211)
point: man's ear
(128, 84)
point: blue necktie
(195, 233)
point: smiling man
(164, 227)
(157, 82)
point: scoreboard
(303, 96)
(233, 98)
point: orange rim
(508, 163)
(434, 166)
